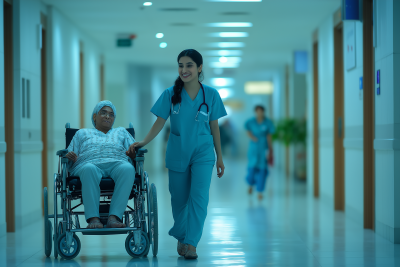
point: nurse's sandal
(182, 248)
(191, 253)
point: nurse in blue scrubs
(194, 110)
(259, 129)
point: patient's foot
(114, 223)
(94, 223)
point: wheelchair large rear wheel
(137, 252)
(153, 219)
(68, 253)
(48, 229)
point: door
(338, 118)
(369, 119)
(9, 116)
(44, 107)
(316, 122)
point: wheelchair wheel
(68, 253)
(142, 250)
(48, 229)
(153, 219)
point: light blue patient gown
(257, 153)
(190, 158)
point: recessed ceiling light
(224, 53)
(159, 35)
(229, 34)
(223, 59)
(230, 24)
(226, 44)
(147, 3)
(229, 60)
(227, 65)
(224, 92)
(259, 88)
(163, 45)
(222, 81)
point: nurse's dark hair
(259, 107)
(198, 59)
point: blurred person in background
(260, 130)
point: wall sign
(350, 45)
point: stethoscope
(199, 110)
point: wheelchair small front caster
(137, 252)
(68, 252)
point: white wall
(325, 87)
(353, 127)
(27, 135)
(387, 121)
(63, 42)
(3, 145)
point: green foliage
(291, 131)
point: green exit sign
(124, 42)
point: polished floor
(285, 229)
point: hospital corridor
(200, 133)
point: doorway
(338, 118)
(102, 89)
(9, 116)
(44, 104)
(315, 119)
(81, 87)
(369, 116)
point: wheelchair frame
(141, 232)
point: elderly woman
(103, 152)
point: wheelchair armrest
(62, 152)
(140, 152)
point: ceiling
(279, 27)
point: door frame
(369, 116)
(43, 78)
(81, 87)
(338, 134)
(9, 115)
(316, 119)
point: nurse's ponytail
(198, 59)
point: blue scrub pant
(257, 177)
(189, 199)
(123, 174)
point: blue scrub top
(257, 150)
(190, 140)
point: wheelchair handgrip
(140, 152)
(62, 152)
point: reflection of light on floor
(221, 253)
(228, 261)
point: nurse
(259, 129)
(194, 110)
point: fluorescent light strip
(227, 44)
(223, 53)
(222, 81)
(229, 34)
(230, 24)
(224, 59)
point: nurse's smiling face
(188, 70)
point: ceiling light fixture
(159, 35)
(147, 3)
(227, 44)
(223, 53)
(220, 65)
(259, 88)
(224, 92)
(230, 24)
(163, 45)
(223, 59)
(222, 81)
(229, 34)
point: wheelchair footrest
(104, 231)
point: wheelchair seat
(107, 184)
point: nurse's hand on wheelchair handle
(220, 168)
(72, 156)
(134, 146)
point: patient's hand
(72, 156)
(131, 149)
(131, 152)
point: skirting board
(3, 229)
(390, 233)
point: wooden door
(369, 118)
(316, 122)
(9, 117)
(338, 119)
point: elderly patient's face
(105, 118)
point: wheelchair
(141, 220)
